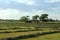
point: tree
(24, 18)
(43, 17)
(51, 20)
(35, 18)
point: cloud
(27, 2)
(54, 16)
(14, 9)
(8, 13)
(27, 5)
(53, 13)
(16, 14)
(52, 1)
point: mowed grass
(16, 26)
(16, 34)
(46, 37)
(32, 28)
(6, 35)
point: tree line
(36, 18)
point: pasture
(17, 30)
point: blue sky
(14, 9)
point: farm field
(12, 33)
(29, 19)
(18, 31)
(46, 37)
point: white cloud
(54, 16)
(20, 1)
(52, 1)
(8, 13)
(16, 14)
(28, 2)
(39, 11)
(55, 8)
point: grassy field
(12, 33)
(15, 29)
(16, 34)
(47, 37)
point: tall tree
(24, 18)
(43, 17)
(35, 18)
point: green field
(16, 29)
(47, 37)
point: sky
(14, 9)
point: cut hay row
(31, 35)
(18, 31)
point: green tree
(51, 20)
(24, 18)
(43, 17)
(35, 18)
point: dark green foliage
(43, 17)
(24, 19)
(35, 18)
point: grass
(46, 37)
(17, 26)
(11, 25)
(16, 34)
